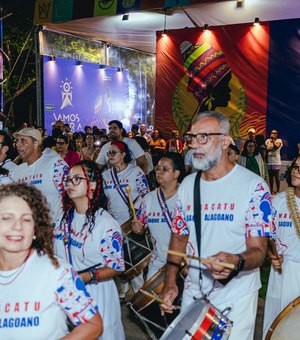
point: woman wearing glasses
(90, 239)
(251, 159)
(66, 151)
(284, 287)
(158, 208)
(115, 181)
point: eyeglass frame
(68, 180)
(112, 153)
(203, 134)
(162, 169)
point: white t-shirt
(274, 154)
(9, 165)
(46, 174)
(150, 215)
(136, 179)
(234, 207)
(102, 248)
(134, 147)
(35, 305)
(287, 240)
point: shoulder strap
(197, 212)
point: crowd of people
(67, 199)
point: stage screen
(84, 94)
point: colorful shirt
(47, 174)
(36, 304)
(233, 208)
(132, 176)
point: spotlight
(125, 17)
(205, 27)
(120, 69)
(101, 67)
(256, 22)
(165, 32)
(79, 63)
(53, 58)
(239, 3)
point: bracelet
(93, 276)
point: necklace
(16, 273)
(293, 209)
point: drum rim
(145, 286)
(137, 268)
(281, 315)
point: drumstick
(274, 251)
(202, 259)
(127, 188)
(155, 297)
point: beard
(208, 161)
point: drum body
(147, 309)
(137, 251)
(286, 325)
(200, 320)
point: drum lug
(226, 311)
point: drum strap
(197, 215)
(164, 207)
(115, 179)
(67, 235)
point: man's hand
(220, 272)
(169, 294)
(137, 227)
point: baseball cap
(251, 130)
(29, 132)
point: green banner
(62, 10)
(176, 3)
(105, 7)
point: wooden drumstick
(274, 251)
(155, 297)
(127, 188)
(202, 259)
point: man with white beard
(234, 220)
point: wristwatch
(240, 265)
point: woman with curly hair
(284, 280)
(38, 291)
(90, 239)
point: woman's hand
(276, 261)
(137, 227)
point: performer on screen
(235, 220)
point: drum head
(287, 324)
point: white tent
(139, 31)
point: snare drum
(286, 325)
(200, 320)
(137, 252)
(147, 309)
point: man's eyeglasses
(112, 153)
(60, 143)
(162, 168)
(76, 180)
(296, 168)
(202, 138)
